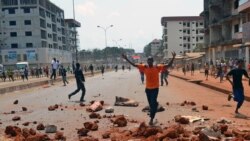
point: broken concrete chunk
(109, 110)
(121, 101)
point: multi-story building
(182, 34)
(156, 44)
(227, 29)
(35, 31)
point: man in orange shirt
(152, 81)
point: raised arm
(126, 58)
(172, 60)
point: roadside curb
(36, 84)
(224, 91)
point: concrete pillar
(213, 54)
(247, 56)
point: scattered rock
(32, 131)
(223, 128)
(26, 124)
(25, 132)
(109, 110)
(238, 133)
(12, 112)
(120, 121)
(50, 129)
(15, 102)
(181, 120)
(40, 127)
(204, 107)
(59, 136)
(160, 108)
(24, 109)
(228, 134)
(62, 129)
(82, 132)
(38, 137)
(121, 101)
(91, 126)
(224, 121)
(247, 136)
(12, 130)
(52, 108)
(34, 122)
(106, 135)
(16, 118)
(94, 115)
(89, 139)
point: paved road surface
(125, 84)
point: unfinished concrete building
(225, 28)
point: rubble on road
(16, 118)
(40, 127)
(91, 126)
(50, 129)
(121, 101)
(204, 107)
(160, 108)
(24, 109)
(120, 121)
(109, 110)
(60, 136)
(82, 132)
(95, 106)
(94, 115)
(15, 102)
(54, 107)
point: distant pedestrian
(22, 73)
(164, 73)
(238, 89)
(102, 69)
(192, 69)
(64, 75)
(46, 70)
(91, 68)
(73, 66)
(206, 68)
(79, 81)
(220, 73)
(116, 68)
(54, 66)
(123, 67)
(184, 70)
(3, 75)
(10, 74)
(152, 82)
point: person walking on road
(206, 67)
(102, 69)
(152, 82)
(64, 75)
(79, 81)
(164, 73)
(91, 68)
(192, 69)
(238, 90)
(22, 73)
(54, 66)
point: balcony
(238, 35)
(246, 32)
(244, 5)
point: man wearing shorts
(238, 90)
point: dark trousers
(53, 74)
(152, 95)
(142, 77)
(77, 90)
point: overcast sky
(136, 22)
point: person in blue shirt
(238, 89)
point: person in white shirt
(54, 66)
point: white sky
(136, 22)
